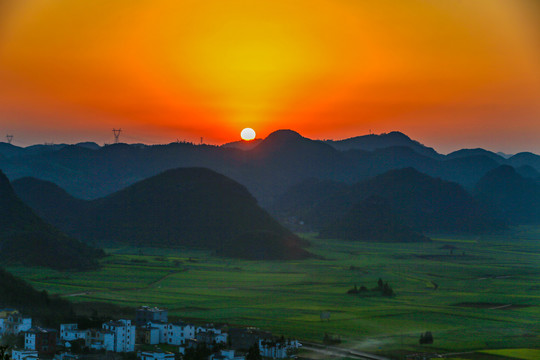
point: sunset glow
(450, 74)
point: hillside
(27, 239)
(525, 158)
(371, 219)
(18, 294)
(419, 201)
(374, 142)
(510, 196)
(192, 207)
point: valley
(472, 293)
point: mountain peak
(284, 135)
(374, 142)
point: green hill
(510, 196)
(192, 207)
(419, 201)
(17, 293)
(27, 239)
(371, 220)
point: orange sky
(448, 73)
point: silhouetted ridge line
(26, 239)
(193, 207)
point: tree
(426, 338)
(254, 353)
(4, 353)
(387, 290)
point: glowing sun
(247, 134)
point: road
(340, 352)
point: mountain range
(267, 169)
(192, 207)
(183, 194)
(406, 197)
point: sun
(247, 134)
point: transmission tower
(9, 138)
(116, 133)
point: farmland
(471, 293)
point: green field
(488, 294)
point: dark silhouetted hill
(8, 150)
(374, 142)
(528, 171)
(263, 245)
(18, 294)
(463, 153)
(419, 201)
(26, 239)
(267, 170)
(242, 144)
(193, 207)
(466, 170)
(49, 201)
(371, 219)
(300, 199)
(510, 196)
(525, 158)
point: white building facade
(14, 324)
(163, 330)
(24, 355)
(278, 349)
(124, 335)
(155, 355)
(71, 332)
(179, 333)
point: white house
(24, 355)
(226, 355)
(277, 348)
(163, 330)
(148, 334)
(70, 332)
(124, 335)
(66, 356)
(14, 324)
(42, 340)
(211, 338)
(208, 327)
(155, 355)
(101, 340)
(179, 332)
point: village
(150, 336)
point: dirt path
(340, 352)
(149, 285)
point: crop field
(471, 293)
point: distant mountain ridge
(192, 207)
(374, 142)
(267, 167)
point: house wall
(23, 354)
